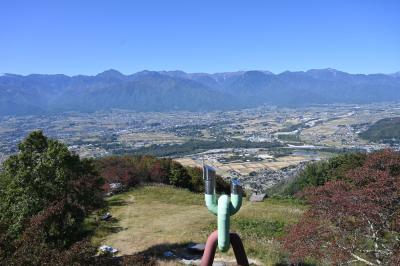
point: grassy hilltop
(152, 220)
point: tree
(42, 174)
(196, 176)
(178, 176)
(357, 218)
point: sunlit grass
(148, 219)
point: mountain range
(178, 90)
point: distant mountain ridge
(178, 90)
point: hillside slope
(385, 130)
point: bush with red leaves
(131, 171)
(52, 237)
(355, 219)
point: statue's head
(209, 179)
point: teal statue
(223, 208)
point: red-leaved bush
(355, 219)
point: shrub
(134, 170)
(178, 176)
(355, 218)
(318, 173)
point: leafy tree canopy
(42, 174)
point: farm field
(244, 168)
(150, 138)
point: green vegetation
(132, 171)
(194, 131)
(353, 215)
(45, 194)
(386, 130)
(195, 146)
(260, 228)
(318, 173)
(293, 127)
(51, 201)
(290, 137)
(42, 174)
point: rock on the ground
(257, 197)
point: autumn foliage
(45, 194)
(132, 171)
(353, 219)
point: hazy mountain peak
(327, 73)
(396, 74)
(9, 75)
(332, 70)
(324, 70)
(174, 72)
(111, 73)
(147, 73)
(266, 72)
(254, 73)
(287, 72)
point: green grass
(153, 219)
(164, 194)
(259, 228)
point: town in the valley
(265, 144)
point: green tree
(178, 176)
(43, 173)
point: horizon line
(200, 72)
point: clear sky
(87, 37)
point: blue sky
(87, 37)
